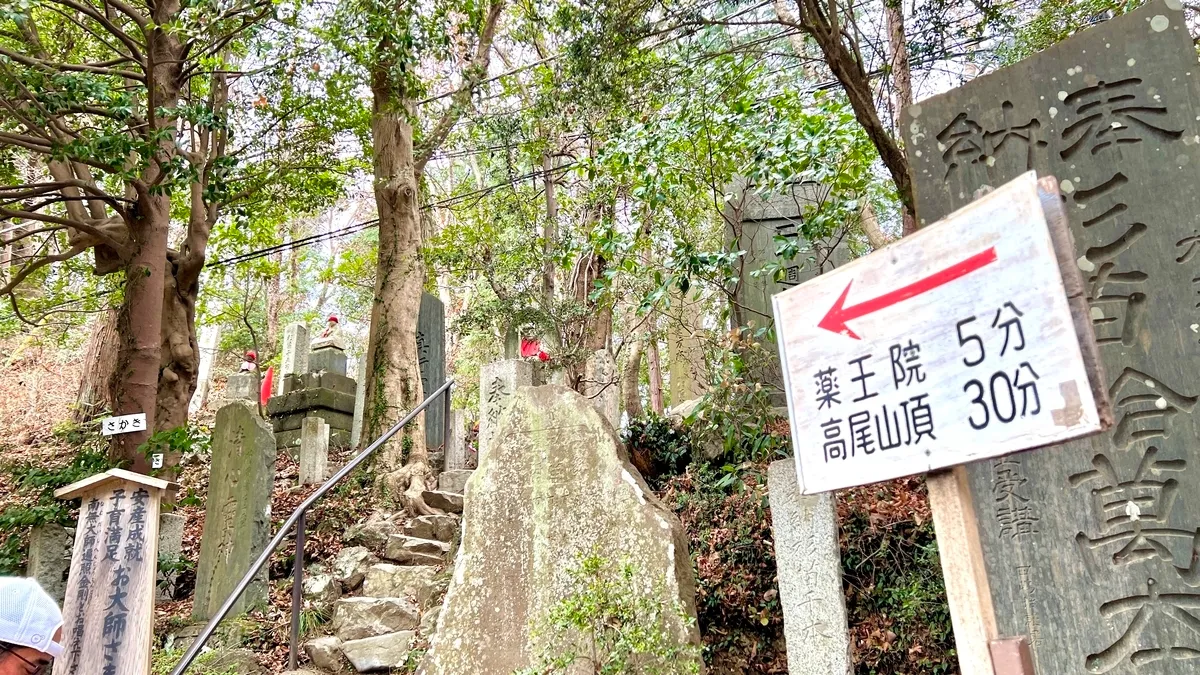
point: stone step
(414, 551)
(358, 618)
(382, 652)
(446, 501)
(454, 481)
(418, 582)
(441, 528)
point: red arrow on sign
(837, 316)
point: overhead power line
(367, 224)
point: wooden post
(980, 652)
(108, 614)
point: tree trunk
(393, 375)
(656, 381)
(815, 19)
(901, 78)
(870, 226)
(549, 232)
(631, 394)
(180, 366)
(99, 359)
(139, 323)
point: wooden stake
(1011, 656)
(967, 591)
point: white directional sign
(123, 424)
(949, 346)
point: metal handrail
(297, 520)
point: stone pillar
(314, 451)
(329, 358)
(170, 549)
(295, 353)
(808, 562)
(243, 387)
(456, 447)
(237, 516)
(498, 381)
(685, 352)
(50, 558)
(360, 402)
(602, 387)
(431, 357)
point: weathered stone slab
(556, 489)
(497, 383)
(329, 359)
(383, 652)
(440, 527)
(431, 355)
(243, 387)
(170, 548)
(326, 653)
(333, 418)
(685, 348)
(307, 399)
(602, 387)
(50, 548)
(360, 402)
(319, 380)
(399, 581)
(237, 514)
(314, 451)
(358, 618)
(295, 354)
(411, 550)
(454, 481)
(289, 441)
(457, 454)
(807, 558)
(1090, 546)
(350, 566)
(450, 502)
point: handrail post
(297, 594)
(446, 426)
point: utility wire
(355, 228)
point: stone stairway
(384, 590)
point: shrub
(659, 447)
(725, 511)
(611, 625)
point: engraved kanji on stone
(1178, 607)
(1147, 407)
(963, 141)
(1134, 516)
(1013, 135)
(1109, 114)
(1013, 510)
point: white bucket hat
(29, 617)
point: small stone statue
(250, 362)
(330, 337)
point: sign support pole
(954, 518)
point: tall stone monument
(498, 381)
(753, 229)
(431, 353)
(295, 354)
(237, 514)
(1092, 548)
(808, 561)
(557, 489)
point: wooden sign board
(123, 424)
(949, 346)
(108, 614)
